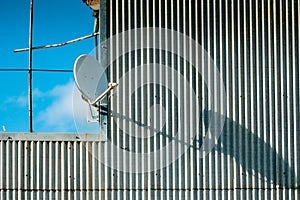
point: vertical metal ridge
(296, 91)
(255, 46)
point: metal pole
(96, 30)
(30, 68)
(96, 37)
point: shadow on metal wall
(254, 154)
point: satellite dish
(90, 77)
(91, 81)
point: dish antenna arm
(111, 86)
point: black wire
(37, 70)
(14, 70)
(52, 70)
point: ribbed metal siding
(49, 170)
(255, 45)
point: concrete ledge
(55, 137)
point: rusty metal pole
(96, 37)
(96, 29)
(30, 68)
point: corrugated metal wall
(50, 166)
(255, 46)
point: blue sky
(54, 22)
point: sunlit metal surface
(255, 46)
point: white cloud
(37, 93)
(58, 116)
(17, 101)
(64, 111)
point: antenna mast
(30, 68)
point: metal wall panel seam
(50, 169)
(192, 171)
(223, 157)
(276, 64)
(273, 104)
(233, 91)
(101, 169)
(264, 95)
(257, 99)
(95, 172)
(75, 178)
(184, 93)
(106, 149)
(70, 172)
(19, 168)
(93, 175)
(265, 70)
(156, 144)
(147, 181)
(247, 94)
(27, 168)
(30, 167)
(298, 96)
(146, 94)
(74, 175)
(199, 102)
(45, 168)
(11, 171)
(296, 88)
(186, 65)
(89, 166)
(2, 167)
(190, 156)
(270, 107)
(109, 175)
(138, 58)
(8, 167)
(251, 98)
(51, 163)
(281, 131)
(164, 100)
(2, 162)
(177, 166)
(289, 97)
(216, 95)
(54, 168)
(128, 184)
(14, 177)
(205, 180)
(128, 139)
(37, 174)
(33, 168)
(122, 133)
(227, 162)
(172, 173)
(294, 99)
(61, 168)
(111, 77)
(115, 135)
(134, 145)
(81, 170)
(206, 47)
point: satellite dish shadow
(253, 153)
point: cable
(58, 45)
(37, 70)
